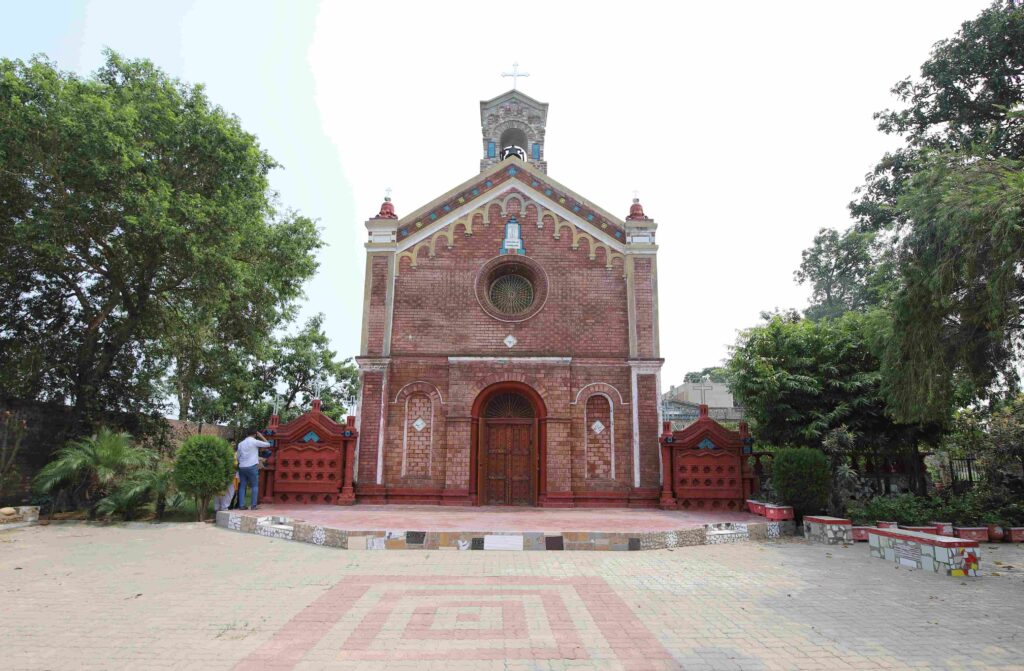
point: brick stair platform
(484, 528)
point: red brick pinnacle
(636, 212)
(387, 210)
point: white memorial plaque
(503, 542)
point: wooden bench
(928, 552)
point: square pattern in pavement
(193, 596)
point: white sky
(745, 125)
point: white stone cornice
(556, 360)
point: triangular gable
(509, 96)
(497, 181)
(313, 422)
(707, 429)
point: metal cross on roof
(515, 74)
(277, 403)
(704, 386)
(318, 387)
(387, 192)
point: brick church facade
(509, 351)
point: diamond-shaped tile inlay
(419, 424)
(597, 426)
(510, 341)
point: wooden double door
(508, 456)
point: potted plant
(995, 527)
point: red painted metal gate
(705, 466)
(311, 460)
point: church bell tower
(513, 125)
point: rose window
(511, 294)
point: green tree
(1006, 434)
(91, 468)
(842, 272)
(293, 362)
(964, 98)
(959, 316)
(203, 467)
(140, 232)
(717, 373)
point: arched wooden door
(508, 454)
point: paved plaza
(194, 596)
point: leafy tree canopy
(298, 364)
(717, 373)
(799, 380)
(140, 233)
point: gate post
(348, 495)
(668, 501)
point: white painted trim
(359, 434)
(399, 392)
(511, 359)
(661, 465)
(486, 199)
(586, 433)
(636, 430)
(617, 393)
(645, 367)
(380, 431)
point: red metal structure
(705, 466)
(311, 460)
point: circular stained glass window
(511, 294)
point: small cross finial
(277, 404)
(515, 74)
(387, 193)
(705, 386)
(636, 195)
(318, 387)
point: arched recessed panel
(599, 429)
(418, 436)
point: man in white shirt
(249, 468)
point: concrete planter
(755, 507)
(778, 513)
(828, 530)
(944, 528)
(930, 529)
(861, 533)
(1015, 534)
(972, 533)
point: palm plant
(92, 467)
(125, 501)
(156, 481)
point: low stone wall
(928, 552)
(828, 530)
(286, 528)
(19, 516)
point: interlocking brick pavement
(193, 596)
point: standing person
(249, 468)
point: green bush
(905, 509)
(800, 477)
(203, 467)
(970, 509)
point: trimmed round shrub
(800, 477)
(203, 467)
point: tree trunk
(161, 507)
